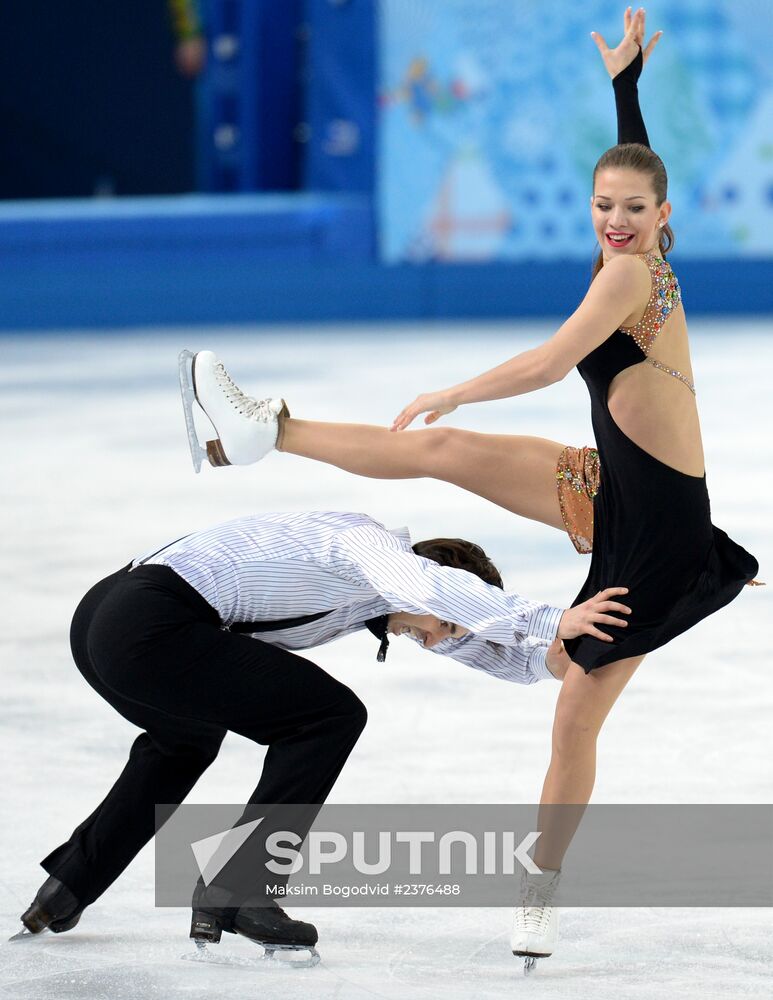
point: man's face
(427, 629)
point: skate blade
(268, 959)
(188, 394)
(280, 954)
(24, 934)
(529, 961)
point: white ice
(96, 469)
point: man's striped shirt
(273, 566)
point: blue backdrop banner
(340, 95)
(493, 114)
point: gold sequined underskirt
(577, 478)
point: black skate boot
(54, 908)
(267, 925)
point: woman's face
(625, 215)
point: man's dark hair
(460, 554)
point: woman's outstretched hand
(434, 404)
(617, 59)
(584, 618)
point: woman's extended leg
(515, 472)
(583, 704)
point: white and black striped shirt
(273, 566)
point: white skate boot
(535, 928)
(246, 428)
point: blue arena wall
(281, 258)
(433, 164)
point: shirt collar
(401, 534)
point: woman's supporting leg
(583, 704)
(512, 471)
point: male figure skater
(197, 638)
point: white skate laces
(246, 406)
(246, 428)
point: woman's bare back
(655, 408)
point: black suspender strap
(276, 625)
(141, 562)
(378, 626)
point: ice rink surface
(97, 470)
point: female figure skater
(638, 501)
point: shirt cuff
(543, 623)
(538, 664)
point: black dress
(652, 529)
(652, 524)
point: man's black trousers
(152, 647)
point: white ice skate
(535, 928)
(246, 428)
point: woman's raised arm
(624, 65)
